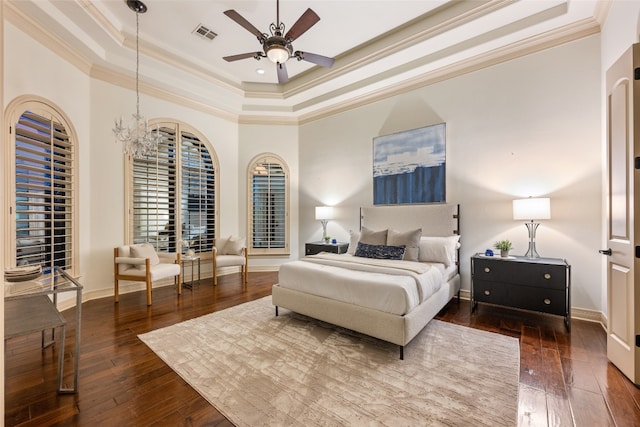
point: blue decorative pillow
(380, 251)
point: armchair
(141, 262)
(229, 252)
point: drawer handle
(547, 276)
(487, 270)
(547, 301)
(487, 292)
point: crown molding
(576, 31)
(436, 22)
(601, 11)
(292, 115)
(46, 38)
(119, 79)
(268, 120)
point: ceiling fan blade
(244, 23)
(306, 21)
(324, 61)
(283, 76)
(242, 56)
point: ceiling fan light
(278, 54)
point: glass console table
(32, 306)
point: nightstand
(313, 248)
(536, 284)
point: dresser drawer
(491, 292)
(550, 301)
(521, 273)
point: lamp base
(532, 227)
(324, 229)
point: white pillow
(144, 250)
(439, 249)
(410, 239)
(220, 242)
(371, 237)
(233, 246)
(353, 242)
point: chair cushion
(233, 246)
(145, 250)
(161, 271)
(227, 260)
(158, 271)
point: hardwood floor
(565, 379)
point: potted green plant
(504, 246)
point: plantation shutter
(174, 194)
(198, 194)
(154, 190)
(44, 191)
(268, 206)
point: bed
(389, 299)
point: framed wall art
(409, 166)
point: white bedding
(394, 287)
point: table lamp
(533, 208)
(324, 214)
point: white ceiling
(380, 46)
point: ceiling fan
(277, 47)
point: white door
(622, 284)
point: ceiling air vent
(204, 32)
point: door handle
(605, 251)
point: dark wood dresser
(537, 284)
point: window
(173, 196)
(44, 193)
(269, 205)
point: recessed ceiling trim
(159, 54)
(119, 79)
(102, 21)
(451, 50)
(429, 25)
(557, 37)
(57, 45)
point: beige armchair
(141, 262)
(230, 252)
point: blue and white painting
(409, 167)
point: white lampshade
(532, 208)
(324, 212)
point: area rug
(261, 370)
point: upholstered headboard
(435, 220)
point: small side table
(193, 260)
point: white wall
(530, 126)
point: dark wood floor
(565, 379)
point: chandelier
(137, 138)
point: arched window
(44, 194)
(173, 193)
(268, 178)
